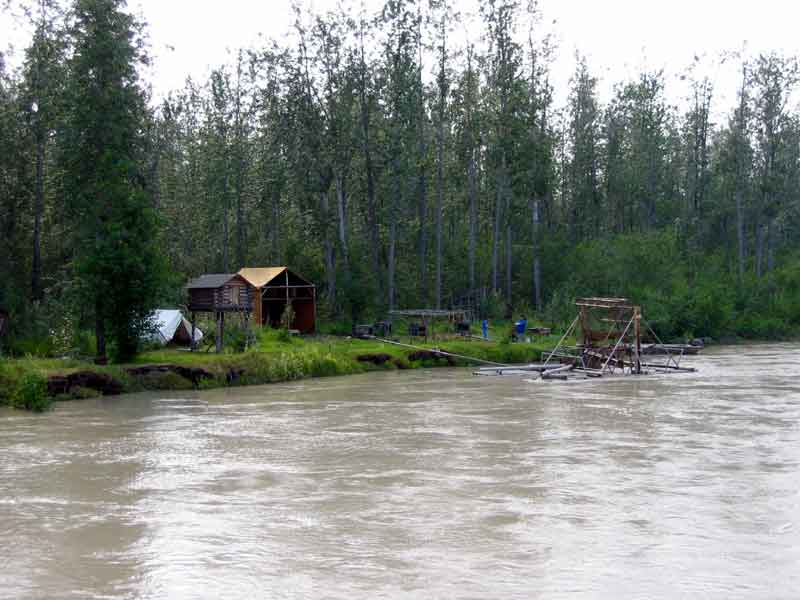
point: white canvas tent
(172, 326)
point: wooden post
(286, 273)
(220, 331)
(637, 343)
(258, 304)
(192, 345)
(314, 300)
(585, 328)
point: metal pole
(658, 339)
(564, 337)
(619, 341)
(637, 315)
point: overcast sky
(618, 36)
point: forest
(397, 165)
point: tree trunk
(439, 207)
(341, 209)
(275, 234)
(422, 239)
(397, 200)
(372, 216)
(473, 217)
(372, 210)
(770, 247)
(759, 249)
(537, 276)
(38, 212)
(740, 231)
(509, 265)
(241, 243)
(329, 250)
(440, 158)
(392, 248)
(100, 334)
(225, 236)
(498, 213)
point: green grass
(273, 358)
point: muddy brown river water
(423, 484)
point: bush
(31, 393)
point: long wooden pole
(442, 352)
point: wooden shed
(219, 293)
(274, 288)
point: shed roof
(212, 281)
(260, 277)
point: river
(416, 484)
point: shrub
(31, 393)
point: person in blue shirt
(520, 329)
(485, 328)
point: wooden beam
(220, 330)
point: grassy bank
(274, 358)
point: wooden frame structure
(219, 294)
(610, 338)
(275, 288)
(428, 318)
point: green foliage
(164, 381)
(287, 318)
(31, 393)
(383, 184)
(118, 261)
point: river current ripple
(423, 484)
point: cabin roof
(211, 281)
(260, 277)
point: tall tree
(583, 171)
(442, 95)
(116, 248)
(43, 80)
(774, 79)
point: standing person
(521, 328)
(485, 328)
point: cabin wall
(201, 299)
(304, 316)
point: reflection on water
(423, 484)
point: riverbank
(35, 383)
